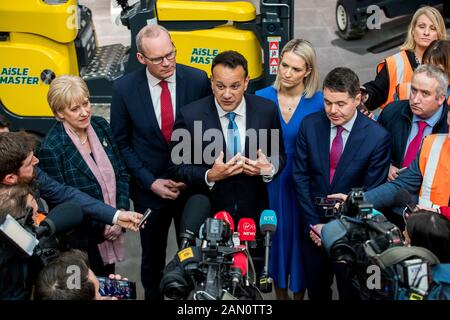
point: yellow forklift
(41, 39)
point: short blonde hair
(436, 18)
(151, 31)
(64, 90)
(304, 50)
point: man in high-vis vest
(427, 177)
(410, 121)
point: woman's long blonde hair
(436, 18)
(304, 50)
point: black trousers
(154, 244)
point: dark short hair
(4, 123)
(13, 200)
(230, 59)
(430, 230)
(14, 149)
(342, 79)
(53, 280)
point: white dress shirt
(155, 93)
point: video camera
(26, 249)
(367, 242)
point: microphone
(60, 219)
(247, 232)
(225, 216)
(268, 226)
(403, 199)
(239, 268)
(196, 210)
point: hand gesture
(260, 166)
(221, 170)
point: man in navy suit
(336, 150)
(239, 134)
(143, 110)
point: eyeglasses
(170, 56)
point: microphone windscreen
(225, 216)
(268, 221)
(65, 217)
(240, 262)
(247, 229)
(196, 210)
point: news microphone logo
(268, 221)
(247, 229)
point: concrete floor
(314, 21)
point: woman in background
(426, 25)
(79, 150)
(438, 54)
(296, 94)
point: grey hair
(436, 73)
(150, 31)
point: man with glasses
(144, 106)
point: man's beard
(27, 180)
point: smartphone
(121, 289)
(326, 202)
(314, 230)
(146, 215)
(401, 170)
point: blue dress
(285, 262)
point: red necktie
(336, 151)
(167, 118)
(414, 145)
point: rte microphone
(268, 226)
(403, 199)
(247, 232)
(196, 210)
(60, 219)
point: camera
(213, 269)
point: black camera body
(206, 271)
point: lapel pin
(105, 144)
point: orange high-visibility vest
(399, 71)
(403, 91)
(434, 164)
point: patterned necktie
(414, 145)
(233, 141)
(336, 151)
(167, 118)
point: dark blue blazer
(364, 162)
(396, 118)
(240, 195)
(61, 160)
(136, 129)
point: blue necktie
(233, 142)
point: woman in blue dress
(296, 94)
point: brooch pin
(105, 144)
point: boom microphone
(195, 212)
(268, 226)
(60, 219)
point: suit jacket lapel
(352, 147)
(251, 122)
(147, 105)
(323, 144)
(180, 90)
(74, 156)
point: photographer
(54, 281)
(19, 202)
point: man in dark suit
(403, 119)
(18, 165)
(246, 133)
(144, 106)
(410, 121)
(336, 150)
